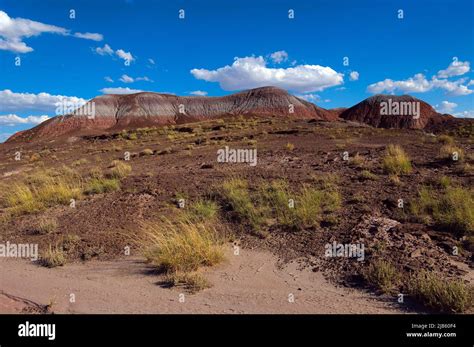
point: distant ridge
(116, 112)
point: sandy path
(248, 283)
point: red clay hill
(116, 112)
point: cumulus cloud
(446, 107)
(279, 57)
(420, 84)
(120, 90)
(107, 50)
(13, 119)
(11, 101)
(252, 72)
(309, 97)
(90, 36)
(127, 56)
(354, 76)
(456, 68)
(465, 114)
(198, 93)
(126, 79)
(14, 30)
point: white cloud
(198, 93)
(11, 101)
(279, 57)
(126, 79)
(90, 36)
(144, 78)
(106, 50)
(13, 119)
(417, 83)
(446, 107)
(309, 97)
(354, 76)
(127, 56)
(14, 30)
(420, 84)
(108, 79)
(456, 68)
(465, 114)
(252, 72)
(151, 61)
(120, 90)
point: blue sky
(224, 46)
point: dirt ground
(184, 163)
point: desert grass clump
(396, 161)
(102, 185)
(297, 208)
(451, 208)
(289, 146)
(46, 225)
(367, 175)
(236, 193)
(446, 139)
(443, 295)
(182, 247)
(120, 170)
(382, 275)
(190, 281)
(53, 257)
(450, 152)
(42, 190)
(203, 210)
(146, 152)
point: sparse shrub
(53, 256)
(290, 146)
(167, 150)
(46, 225)
(102, 185)
(191, 281)
(441, 294)
(396, 161)
(452, 208)
(450, 152)
(203, 210)
(132, 136)
(183, 246)
(236, 193)
(382, 275)
(310, 203)
(446, 139)
(42, 190)
(80, 162)
(35, 157)
(357, 160)
(367, 175)
(120, 170)
(146, 151)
